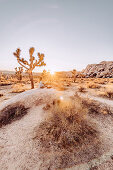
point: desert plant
(1, 95)
(93, 86)
(106, 92)
(1, 75)
(81, 89)
(44, 74)
(11, 113)
(18, 72)
(33, 62)
(18, 88)
(74, 75)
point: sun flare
(61, 98)
(52, 72)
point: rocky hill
(102, 70)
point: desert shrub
(106, 92)
(110, 94)
(18, 88)
(95, 107)
(5, 84)
(60, 86)
(111, 80)
(81, 89)
(11, 113)
(101, 82)
(93, 86)
(1, 95)
(66, 137)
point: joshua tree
(44, 74)
(1, 75)
(18, 73)
(74, 74)
(29, 66)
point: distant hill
(6, 72)
(102, 70)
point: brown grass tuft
(93, 86)
(18, 88)
(106, 92)
(11, 113)
(1, 95)
(81, 89)
(95, 107)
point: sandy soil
(17, 151)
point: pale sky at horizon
(71, 33)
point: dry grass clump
(11, 113)
(100, 80)
(18, 88)
(66, 138)
(106, 92)
(5, 83)
(95, 108)
(81, 89)
(60, 86)
(1, 95)
(111, 80)
(93, 85)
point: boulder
(102, 70)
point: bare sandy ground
(17, 151)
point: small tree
(44, 74)
(74, 74)
(29, 66)
(18, 72)
(1, 76)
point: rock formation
(102, 70)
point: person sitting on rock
(41, 85)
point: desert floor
(17, 147)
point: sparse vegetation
(74, 72)
(1, 95)
(18, 88)
(106, 92)
(96, 108)
(11, 113)
(81, 89)
(93, 85)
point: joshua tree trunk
(74, 79)
(31, 79)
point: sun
(61, 98)
(52, 72)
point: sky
(71, 33)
